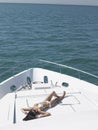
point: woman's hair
(31, 115)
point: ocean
(65, 34)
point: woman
(38, 110)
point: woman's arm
(43, 114)
(24, 110)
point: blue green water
(60, 33)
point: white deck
(75, 102)
(78, 110)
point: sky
(76, 2)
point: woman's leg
(51, 95)
(59, 98)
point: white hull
(78, 110)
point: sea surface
(65, 34)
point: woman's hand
(42, 114)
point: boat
(78, 110)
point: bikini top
(42, 106)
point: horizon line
(47, 3)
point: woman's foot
(64, 93)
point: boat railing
(8, 72)
(64, 69)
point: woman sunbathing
(38, 109)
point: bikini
(41, 105)
(32, 114)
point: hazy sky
(83, 2)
